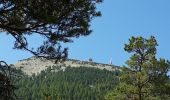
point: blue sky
(120, 20)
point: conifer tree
(55, 20)
(145, 77)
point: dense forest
(70, 84)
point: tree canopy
(82, 83)
(145, 77)
(56, 20)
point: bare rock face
(35, 65)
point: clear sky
(120, 20)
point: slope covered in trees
(72, 84)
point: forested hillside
(81, 83)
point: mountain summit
(35, 65)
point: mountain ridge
(34, 65)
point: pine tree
(145, 77)
(57, 21)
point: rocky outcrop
(35, 65)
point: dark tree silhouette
(6, 87)
(56, 20)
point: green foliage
(72, 84)
(145, 78)
(7, 87)
(56, 20)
